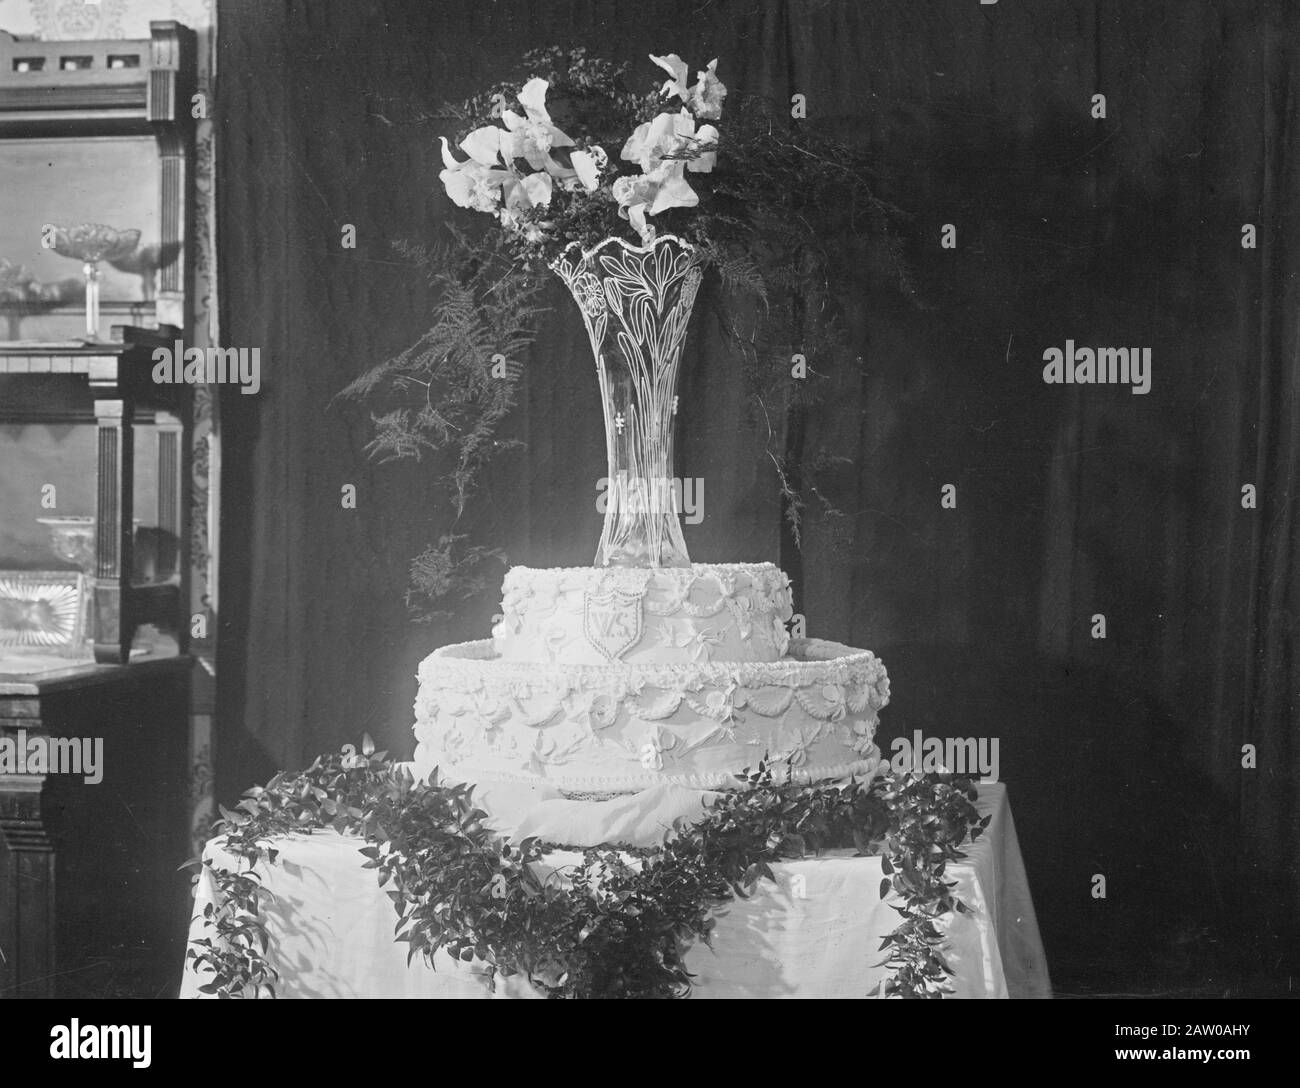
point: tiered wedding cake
(610, 680)
(643, 669)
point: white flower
(489, 180)
(668, 135)
(634, 195)
(524, 193)
(477, 182)
(706, 96)
(483, 145)
(665, 148)
(532, 136)
(588, 165)
(663, 188)
(706, 146)
(677, 68)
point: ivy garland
(620, 923)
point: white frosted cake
(608, 680)
(659, 616)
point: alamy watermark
(1099, 366)
(653, 495)
(953, 755)
(116, 1042)
(179, 365)
(40, 754)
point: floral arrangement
(622, 923)
(543, 185)
(781, 213)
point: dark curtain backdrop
(1124, 755)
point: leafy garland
(789, 229)
(622, 922)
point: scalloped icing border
(473, 666)
(809, 661)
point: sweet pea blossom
(495, 179)
(533, 136)
(489, 180)
(706, 148)
(675, 67)
(588, 165)
(634, 195)
(660, 147)
(486, 186)
(475, 183)
(706, 96)
(669, 137)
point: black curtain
(1124, 755)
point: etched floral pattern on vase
(636, 304)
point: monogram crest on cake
(611, 621)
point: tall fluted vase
(636, 303)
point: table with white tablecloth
(815, 931)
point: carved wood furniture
(110, 385)
(87, 871)
(148, 94)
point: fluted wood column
(114, 528)
(27, 962)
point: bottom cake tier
(622, 728)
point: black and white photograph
(636, 499)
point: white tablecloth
(331, 927)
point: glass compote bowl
(91, 243)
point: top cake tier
(664, 615)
